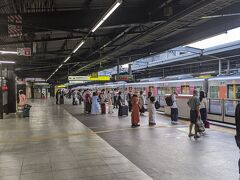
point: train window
(199, 88)
(164, 90)
(214, 92)
(185, 89)
(233, 92)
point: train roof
(222, 78)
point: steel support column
(228, 67)
(219, 67)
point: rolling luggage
(207, 124)
(62, 100)
(103, 108)
(200, 124)
(123, 110)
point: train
(223, 94)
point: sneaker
(196, 137)
(190, 135)
(152, 124)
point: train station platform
(54, 145)
(59, 142)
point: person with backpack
(174, 109)
(194, 104)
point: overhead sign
(124, 78)
(99, 78)
(78, 78)
(61, 86)
(94, 75)
(77, 82)
(24, 51)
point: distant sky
(230, 36)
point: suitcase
(110, 109)
(207, 124)
(103, 108)
(26, 112)
(61, 100)
(123, 111)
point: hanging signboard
(99, 78)
(24, 51)
(124, 78)
(78, 78)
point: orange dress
(135, 111)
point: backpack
(169, 100)
(157, 105)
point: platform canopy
(64, 43)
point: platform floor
(165, 152)
(54, 145)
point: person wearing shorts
(194, 104)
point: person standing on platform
(95, 104)
(102, 98)
(194, 104)
(174, 109)
(152, 111)
(115, 98)
(141, 103)
(61, 97)
(119, 103)
(109, 100)
(135, 116)
(74, 96)
(129, 100)
(87, 101)
(203, 107)
(57, 96)
(80, 97)
(22, 99)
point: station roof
(137, 29)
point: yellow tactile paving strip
(66, 135)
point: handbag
(200, 125)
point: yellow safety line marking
(59, 136)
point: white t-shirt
(203, 103)
(174, 101)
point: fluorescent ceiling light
(7, 62)
(107, 14)
(75, 50)
(60, 66)
(67, 59)
(112, 10)
(8, 52)
(98, 25)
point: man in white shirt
(174, 109)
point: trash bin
(26, 110)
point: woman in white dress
(151, 111)
(95, 104)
